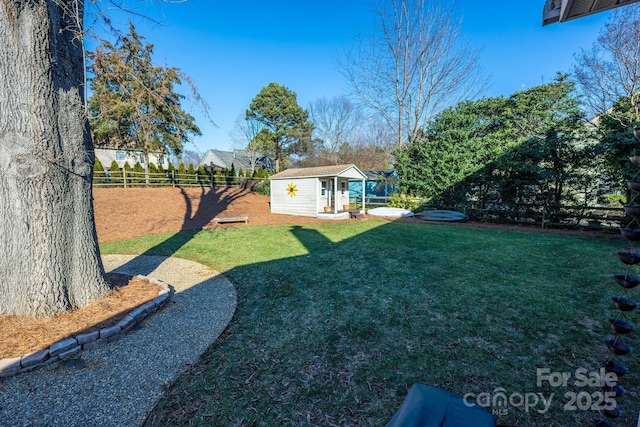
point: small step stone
(111, 330)
(62, 346)
(35, 358)
(9, 366)
(88, 337)
(70, 353)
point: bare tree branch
(610, 71)
(336, 120)
(415, 65)
(245, 135)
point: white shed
(320, 192)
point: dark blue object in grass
(427, 406)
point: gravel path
(120, 383)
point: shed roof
(342, 171)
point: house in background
(307, 191)
(379, 183)
(240, 159)
(107, 155)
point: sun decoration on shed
(292, 189)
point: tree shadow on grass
(339, 330)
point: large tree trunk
(49, 256)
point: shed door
(327, 190)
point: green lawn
(335, 322)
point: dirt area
(125, 213)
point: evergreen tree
(528, 148)
(153, 174)
(133, 103)
(98, 172)
(618, 143)
(286, 124)
(181, 172)
(203, 176)
(138, 174)
(97, 165)
(115, 175)
(191, 171)
(171, 171)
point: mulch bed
(135, 212)
(24, 335)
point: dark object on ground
(442, 215)
(427, 406)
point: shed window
(324, 188)
(343, 187)
(121, 155)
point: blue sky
(232, 49)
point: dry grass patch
(23, 335)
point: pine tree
(286, 124)
(133, 103)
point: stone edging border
(71, 346)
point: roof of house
(378, 174)
(224, 159)
(564, 10)
(343, 171)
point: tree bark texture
(49, 257)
